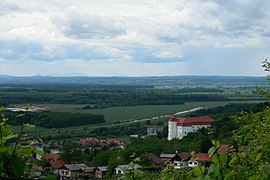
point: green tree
(12, 154)
(72, 153)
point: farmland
(121, 101)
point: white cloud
(135, 33)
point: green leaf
(212, 168)
(40, 153)
(202, 169)
(211, 151)
(193, 159)
(197, 171)
(207, 177)
(6, 149)
(27, 150)
(223, 159)
(215, 159)
(233, 160)
(258, 157)
(17, 166)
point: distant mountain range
(152, 81)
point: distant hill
(160, 81)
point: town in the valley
(178, 127)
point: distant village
(177, 129)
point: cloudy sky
(134, 37)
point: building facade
(180, 127)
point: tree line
(56, 119)
(107, 98)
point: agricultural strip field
(120, 115)
(114, 116)
(128, 113)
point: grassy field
(120, 115)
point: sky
(134, 37)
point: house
(180, 160)
(53, 167)
(153, 131)
(123, 169)
(87, 173)
(155, 161)
(69, 171)
(200, 159)
(166, 157)
(100, 171)
(51, 157)
(180, 127)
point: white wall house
(123, 169)
(180, 127)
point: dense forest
(107, 97)
(56, 119)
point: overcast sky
(134, 37)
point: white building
(180, 127)
(123, 169)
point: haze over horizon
(134, 38)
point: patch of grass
(128, 113)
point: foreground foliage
(12, 154)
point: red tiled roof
(58, 164)
(189, 121)
(224, 148)
(202, 157)
(51, 157)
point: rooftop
(57, 164)
(154, 158)
(202, 157)
(51, 157)
(75, 167)
(167, 155)
(189, 121)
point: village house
(200, 159)
(154, 130)
(180, 127)
(100, 171)
(70, 171)
(180, 160)
(166, 157)
(53, 163)
(87, 173)
(51, 157)
(124, 169)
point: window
(190, 162)
(119, 171)
(195, 163)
